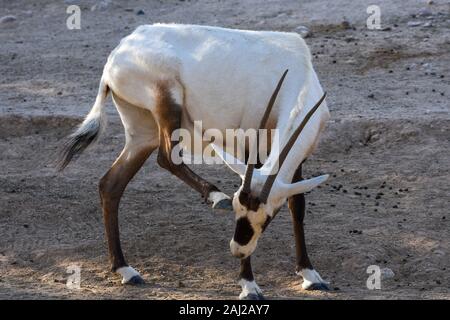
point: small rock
(303, 31)
(28, 13)
(439, 252)
(387, 273)
(345, 25)
(427, 24)
(101, 5)
(181, 284)
(59, 280)
(140, 12)
(414, 23)
(7, 19)
(424, 12)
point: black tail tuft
(77, 142)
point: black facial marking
(244, 231)
(249, 201)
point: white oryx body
(163, 73)
(222, 77)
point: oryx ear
(233, 163)
(288, 190)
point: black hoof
(254, 296)
(224, 204)
(318, 287)
(136, 280)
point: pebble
(140, 12)
(414, 23)
(345, 24)
(303, 31)
(387, 273)
(425, 12)
(101, 5)
(7, 19)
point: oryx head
(262, 193)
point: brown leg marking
(168, 117)
(296, 206)
(111, 188)
(246, 272)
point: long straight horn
(251, 166)
(284, 153)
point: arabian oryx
(163, 77)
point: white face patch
(127, 273)
(243, 251)
(310, 276)
(249, 287)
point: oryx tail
(88, 131)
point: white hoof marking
(248, 287)
(127, 273)
(310, 277)
(216, 196)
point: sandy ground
(387, 148)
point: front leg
(168, 116)
(311, 278)
(250, 290)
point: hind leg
(141, 139)
(168, 116)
